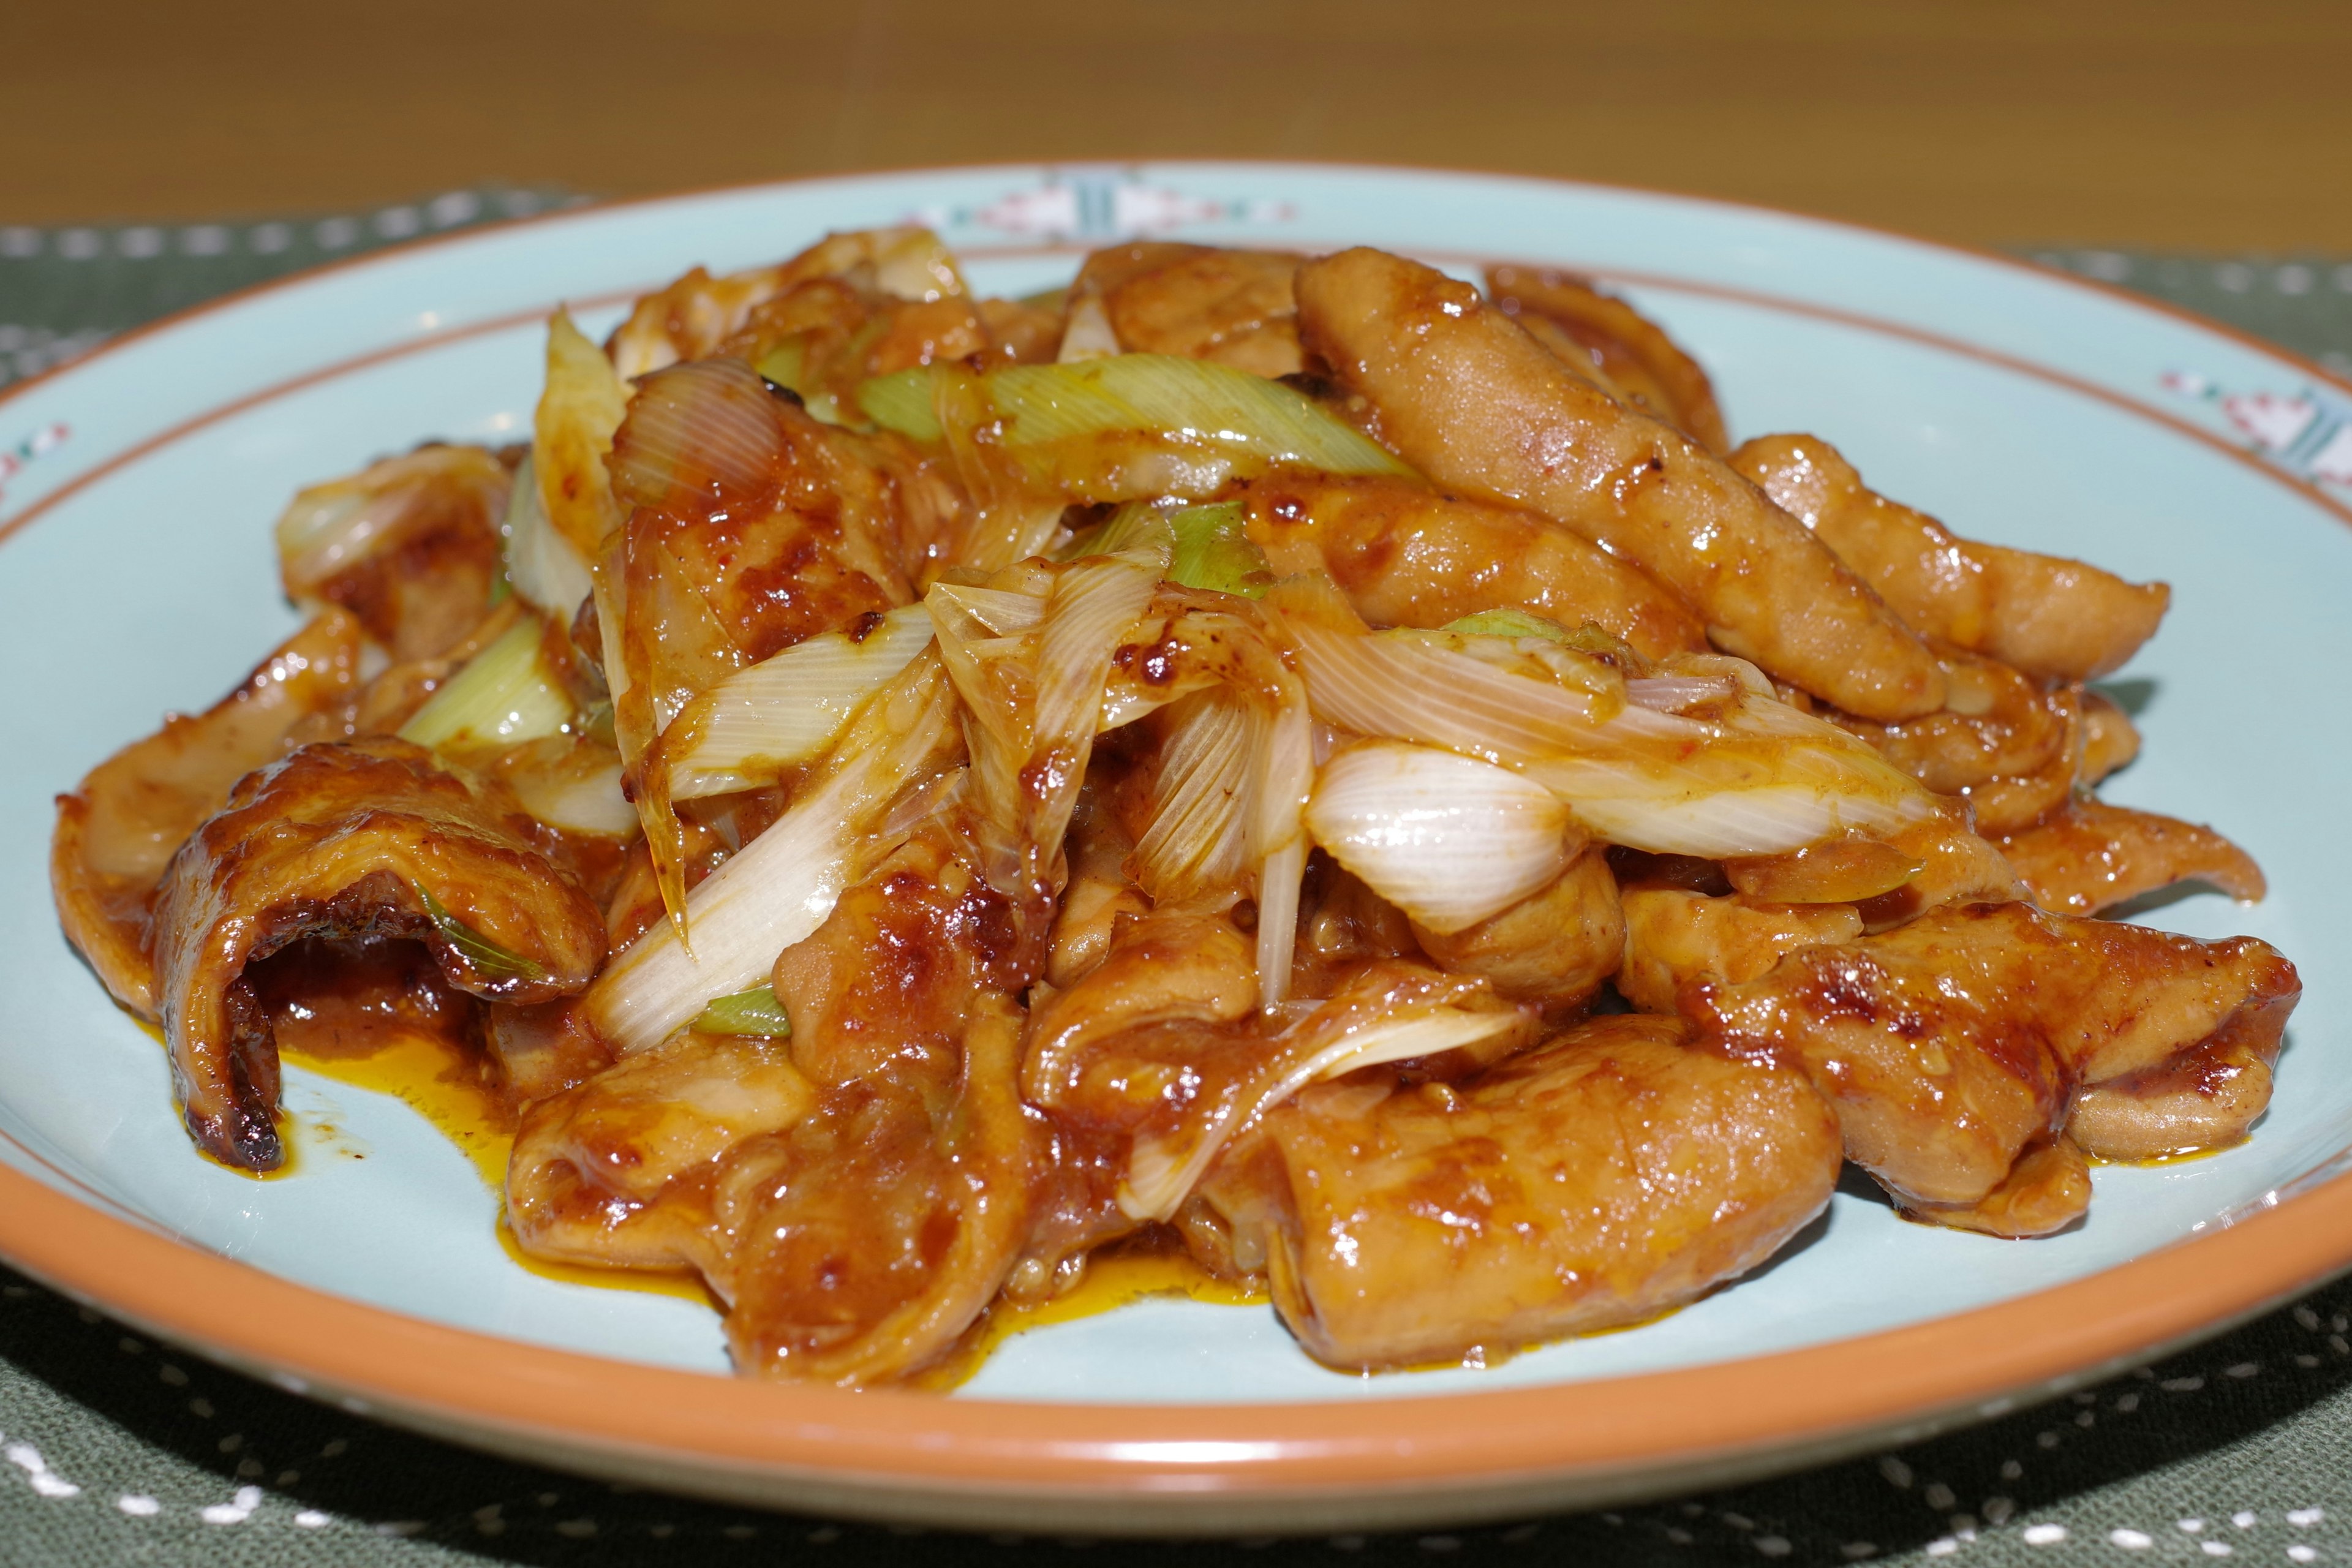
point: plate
(136, 574)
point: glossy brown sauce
(1115, 1277)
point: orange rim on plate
(1133, 1468)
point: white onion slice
(698, 432)
(1447, 838)
(785, 710)
(541, 564)
(783, 884)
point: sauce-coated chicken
(2045, 615)
(409, 546)
(1452, 385)
(1605, 1177)
(118, 831)
(2092, 856)
(368, 839)
(1407, 556)
(1230, 306)
(1629, 354)
(1953, 1045)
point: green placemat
(116, 1451)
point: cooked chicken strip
(2045, 1191)
(1673, 936)
(2093, 856)
(2045, 615)
(876, 1233)
(1407, 556)
(2110, 740)
(617, 1171)
(1599, 1180)
(365, 839)
(1450, 385)
(1230, 306)
(118, 831)
(876, 1230)
(1951, 1045)
(2201, 1099)
(1552, 949)
(1632, 353)
(694, 315)
(1160, 1054)
(408, 545)
(1998, 723)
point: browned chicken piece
(824, 337)
(2201, 1099)
(753, 528)
(368, 839)
(1674, 936)
(1605, 1177)
(1183, 976)
(750, 515)
(878, 1227)
(1997, 723)
(2092, 856)
(690, 318)
(1407, 556)
(1343, 925)
(119, 829)
(876, 1232)
(857, 1196)
(1633, 356)
(1097, 899)
(2044, 614)
(1952, 1045)
(2110, 740)
(2043, 1192)
(1452, 386)
(1024, 331)
(2015, 759)
(1847, 870)
(1551, 950)
(619, 1171)
(1230, 306)
(408, 545)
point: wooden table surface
(2224, 125)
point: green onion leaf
(753, 1012)
(1507, 623)
(505, 695)
(488, 959)
(1213, 552)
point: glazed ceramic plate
(137, 576)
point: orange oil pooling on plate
(376, 1016)
(1115, 1278)
(441, 1082)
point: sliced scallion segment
(901, 400)
(1186, 400)
(753, 1012)
(1214, 552)
(505, 695)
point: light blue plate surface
(2021, 407)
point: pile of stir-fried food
(1290, 759)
